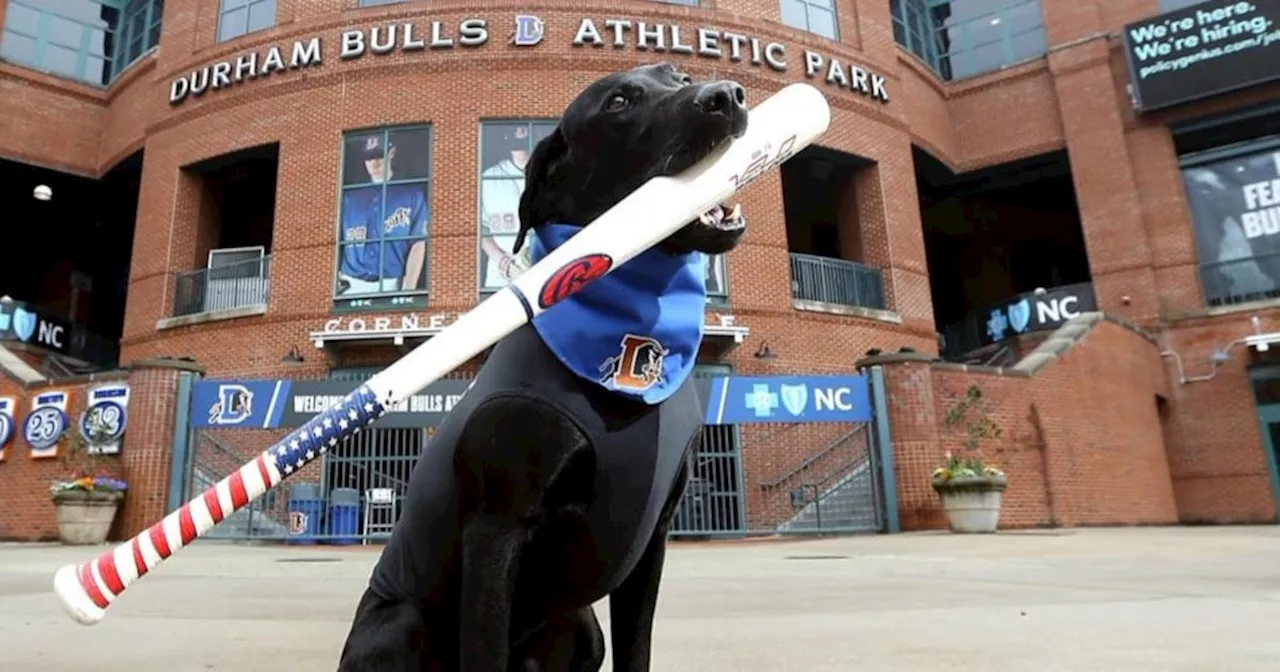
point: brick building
(239, 140)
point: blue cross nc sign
(747, 399)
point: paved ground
(1158, 599)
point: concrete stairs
(848, 505)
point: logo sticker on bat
(762, 161)
(572, 277)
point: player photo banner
(505, 146)
(106, 413)
(384, 217)
(7, 405)
(45, 424)
(1235, 208)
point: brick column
(1094, 107)
(147, 452)
(892, 238)
(913, 425)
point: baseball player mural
(382, 236)
(505, 148)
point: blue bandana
(635, 331)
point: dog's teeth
(735, 211)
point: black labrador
(542, 492)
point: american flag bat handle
(777, 129)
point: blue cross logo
(761, 400)
(997, 325)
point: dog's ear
(539, 174)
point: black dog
(550, 487)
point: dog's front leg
(632, 605)
(491, 545)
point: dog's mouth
(688, 154)
(724, 217)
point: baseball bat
(777, 128)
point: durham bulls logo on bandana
(637, 367)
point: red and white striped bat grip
(87, 589)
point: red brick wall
(143, 461)
(1082, 440)
(1216, 458)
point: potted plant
(971, 490)
(88, 499)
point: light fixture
(293, 356)
(765, 352)
(42, 192)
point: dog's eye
(686, 80)
(617, 102)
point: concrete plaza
(1158, 599)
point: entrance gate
(354, 492)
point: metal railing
(1237, 281)
(244, 283)
(816, 457)
(836, 281)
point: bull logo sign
(234, 405)
(795, 398)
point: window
(384, 218)
(241, 17)
(67, 38)
(92, 41)
(1234, 199)
(815, 16)
(505, 146)
(139, 31)
(966, 38)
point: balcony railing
(207, 290)
(1236, 281)
(836, 281)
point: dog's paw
(724, 218)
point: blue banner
(244, 404)
(747, 399)
(268, 404)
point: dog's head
(624, 130)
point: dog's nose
(725, 99)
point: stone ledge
(897, 358)
(166, 363)
(876, 314)
(1057, 343)
(211, 316)
(978, 368)
(1220, 311)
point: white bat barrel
(777, 128)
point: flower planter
(972, 504)
(85, 517)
